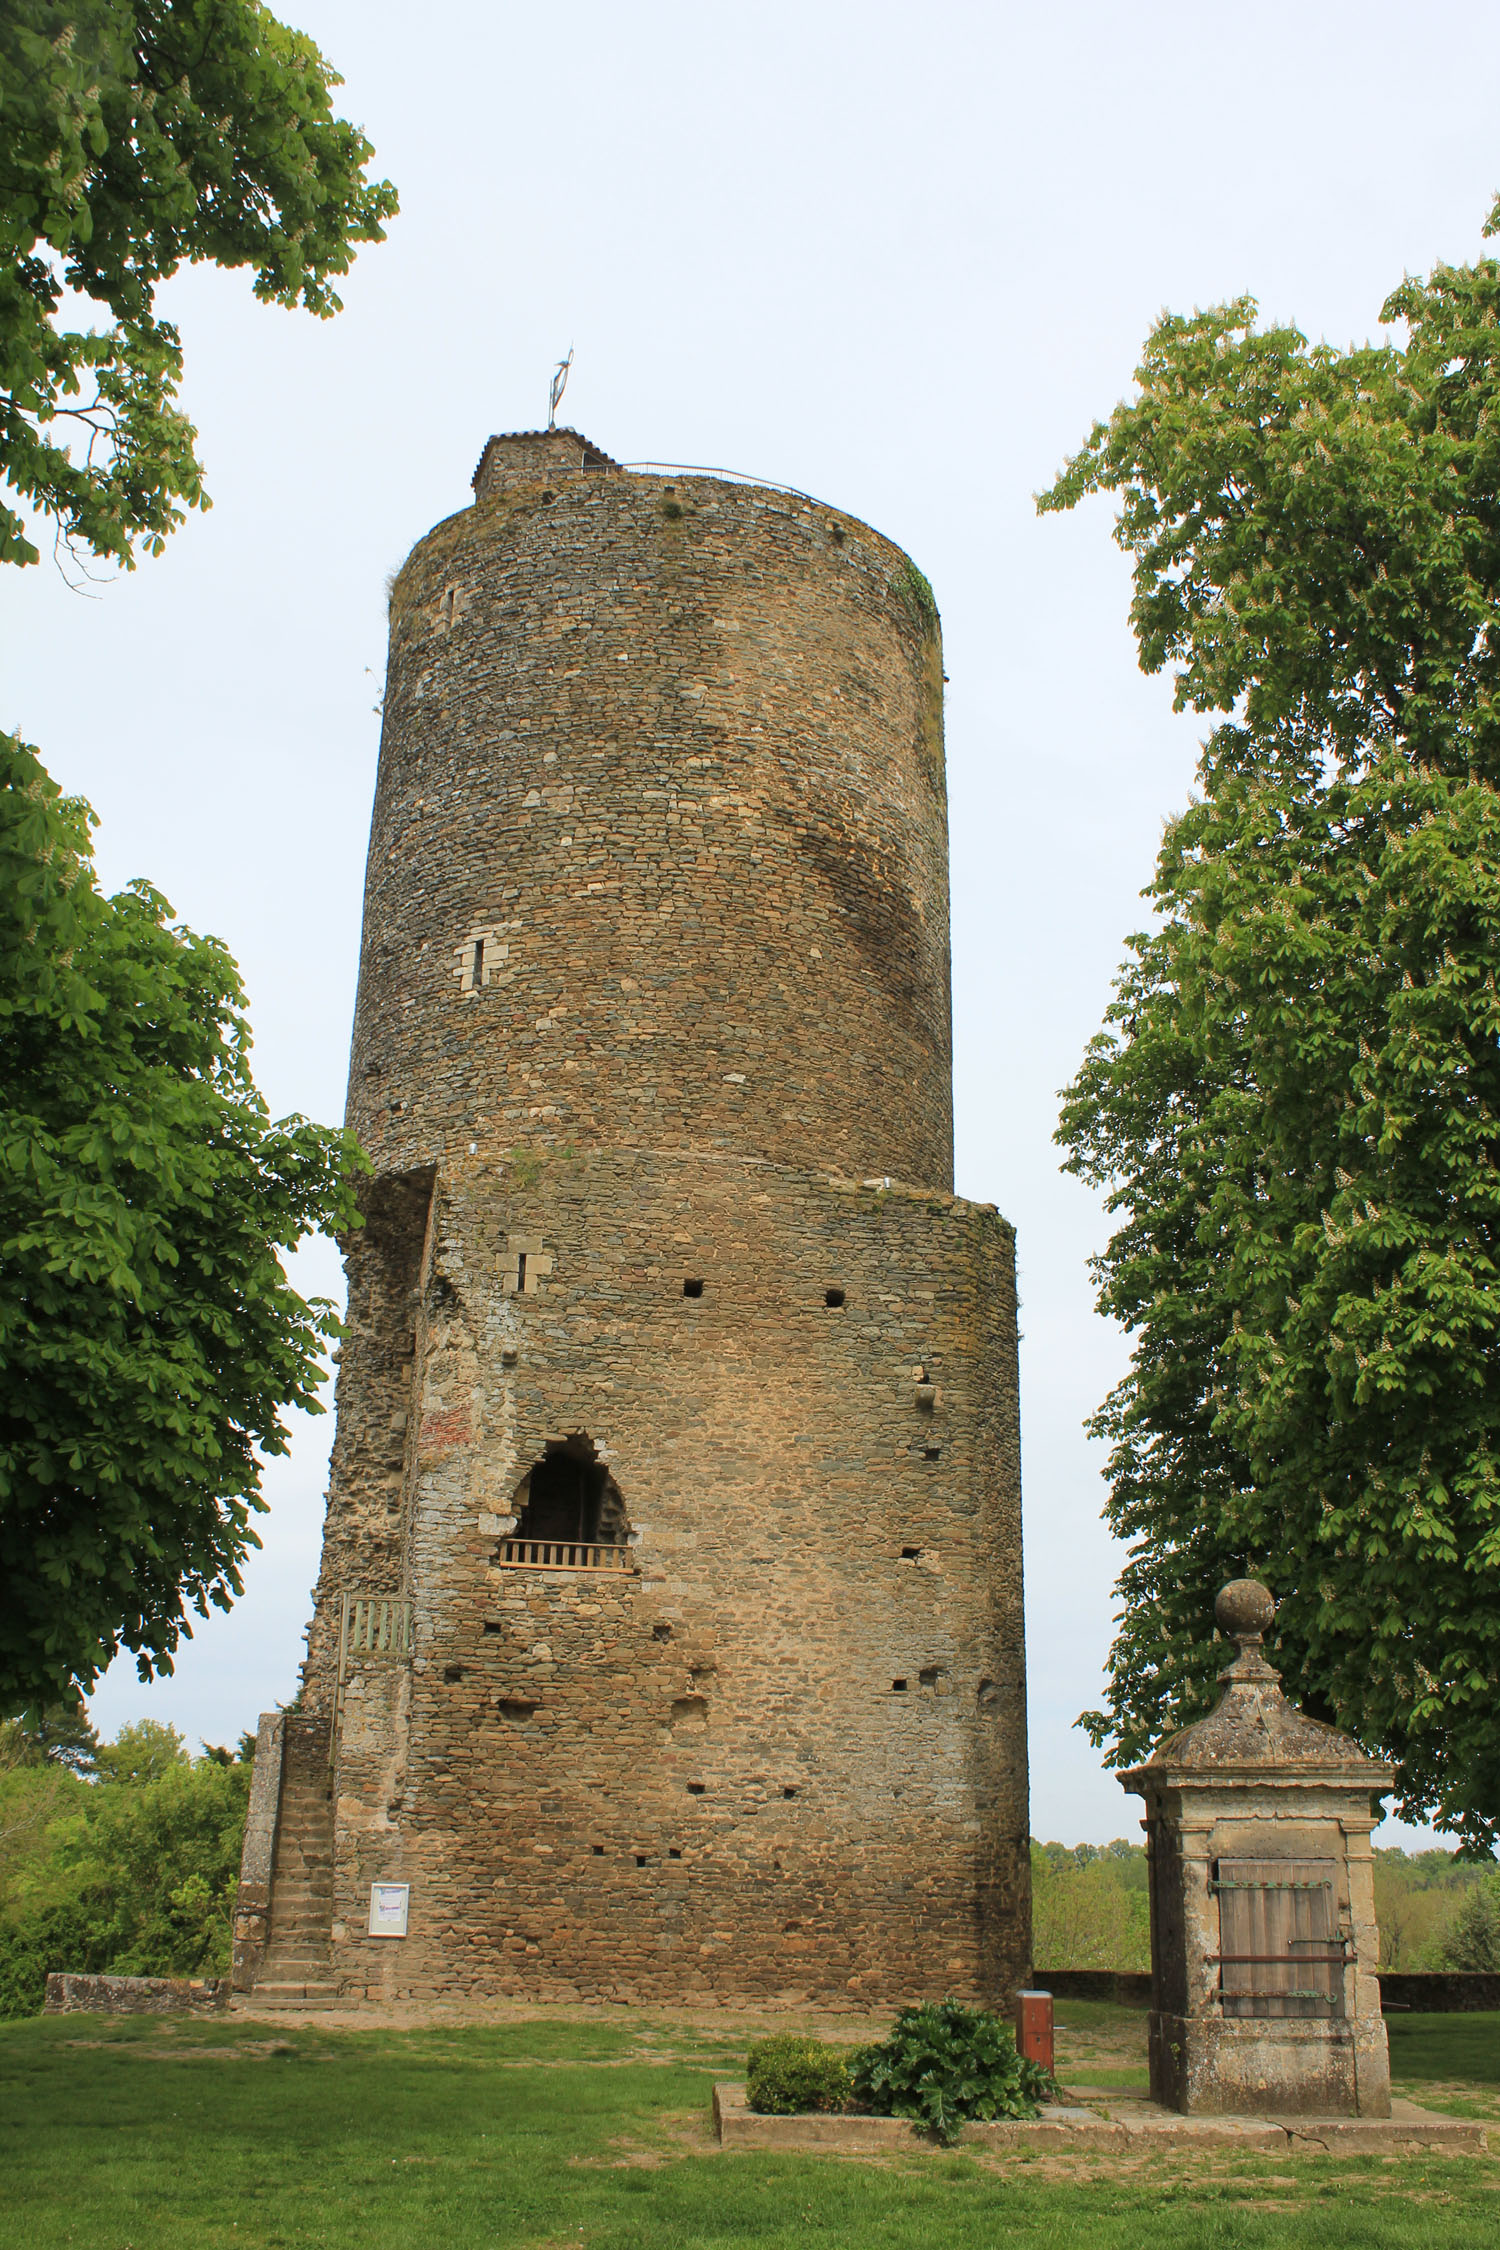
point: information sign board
(388, 1905)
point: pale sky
(899, 258)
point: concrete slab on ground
(1111, 2126)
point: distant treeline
(119, 1856)
(1089, 1908)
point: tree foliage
(58, 1734)
(1295, 1102)
(134, 1874)
(148, 1334)
(136, 136)
(1472, 1939)
(1089, 1907)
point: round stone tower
(661, 800)
(668, 1636)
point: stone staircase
(295, 1970)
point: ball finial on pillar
(1245, 1610)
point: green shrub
(58, 1936)
(788, 2075)
(943, 2064)
(1472, 1939)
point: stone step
(308, 1994)
(294, 1970)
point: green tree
(134, 1874)
(1295, 1102)
(148, 1337)
(142, 1752)
(148, 1334)
(139, 135)
(1089, 1907)
(1471, 1940)
(59, 1734)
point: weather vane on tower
(558, 386)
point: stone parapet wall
(701, 1776)
(258, 1853)
(68, 1995)
(1435, 1991)
(1438, 1991)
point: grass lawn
(172, 2134)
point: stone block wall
(252, 1910)
(652, 1027)
(784, 1754)
(68, 1994)
(672, 755)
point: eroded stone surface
(651, 1056)
(69, 1994)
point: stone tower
(668, 1637)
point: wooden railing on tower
(373, 1629)
(563, 1554)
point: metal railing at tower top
(564, 1554)
(731, 476)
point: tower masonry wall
(659, 846)
(651, 1059)
(783, 1753)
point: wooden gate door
(1279, 1949)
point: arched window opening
(569, 1513)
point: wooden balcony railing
(563, 1554)
(373, 1625)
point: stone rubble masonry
(258, 1855)
(682, 775)
(654, 992)
(68, 1994)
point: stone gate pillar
(1264, 1948)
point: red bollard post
(1034, 2027)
